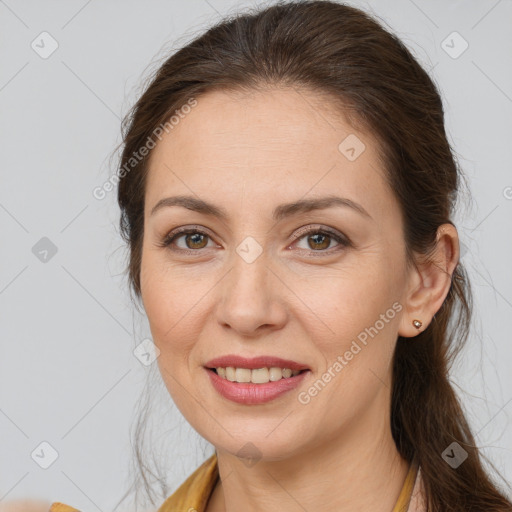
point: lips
(250, 393)
(253, 363)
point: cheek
(171, 301)
(353, 315)
(352, 296)
(357, 351)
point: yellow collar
(197, 488)
(195, 491)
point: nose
(251, 299)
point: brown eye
(194, 240)
(319, 241)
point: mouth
(254, 380)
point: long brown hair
(342, 52)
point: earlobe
(430, 283)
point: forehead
(269, 145)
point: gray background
(68, 375)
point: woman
(286, 189)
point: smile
(256, 376)
(254, 380)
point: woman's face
(260, 282)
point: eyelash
(174, 235)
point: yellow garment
(194, 492)
(60, 507)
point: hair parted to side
(374, 81)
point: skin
(25, 505)
(304, 299)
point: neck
(357, 469)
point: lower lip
(249, 393)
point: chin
(257, 445)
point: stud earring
(417, 324)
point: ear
(430, 282)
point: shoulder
(195, 490)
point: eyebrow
(279, 213)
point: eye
(319, 239)
(194, 239)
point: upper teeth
(256, 376)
